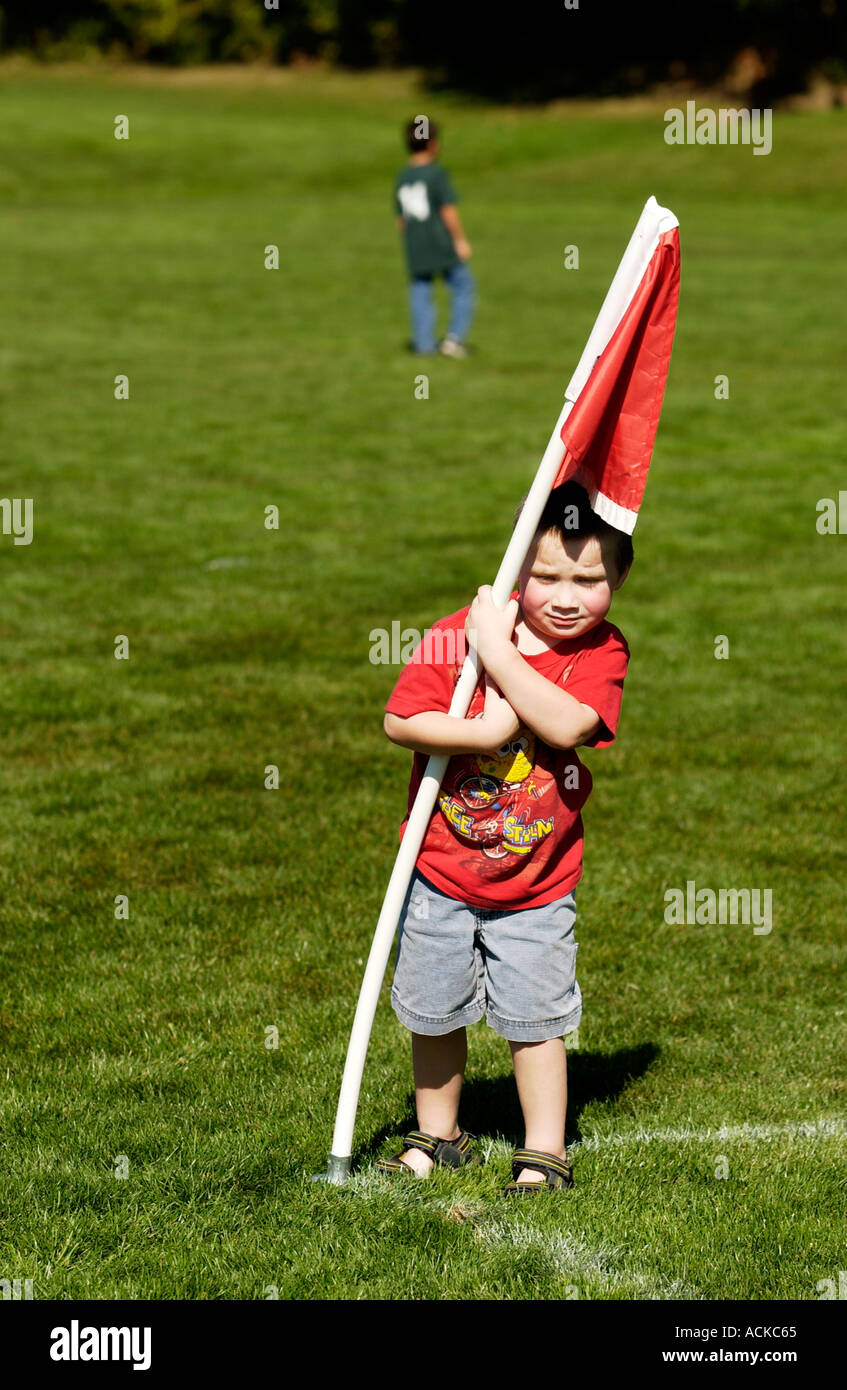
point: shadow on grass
(490, 1106)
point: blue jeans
(462, 286)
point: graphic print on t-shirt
(414, 200)
(494, 800)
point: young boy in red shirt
(487, 925)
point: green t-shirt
(420, 191)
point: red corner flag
(620, 381)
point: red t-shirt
(506, 830)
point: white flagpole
(653, 221)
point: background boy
(487, 926)
(425, 203)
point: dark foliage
(537, 51)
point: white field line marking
(226, 562)
(802, 1129)
(567, 1255)
(571, 1257)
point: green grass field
(154, 1146)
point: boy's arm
(553, 714)
(434, 733)
(417, 712)
(453, 223)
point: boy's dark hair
(415, 139)
(568, 513)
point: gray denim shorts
(457, 963)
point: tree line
(535, 51)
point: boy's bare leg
(542, 1079)
(439, 1071)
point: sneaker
(451, 347)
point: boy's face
(565, 590)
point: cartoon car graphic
(495, 788)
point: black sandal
(557, 1172)
(448, 1153)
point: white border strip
(616, 515)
